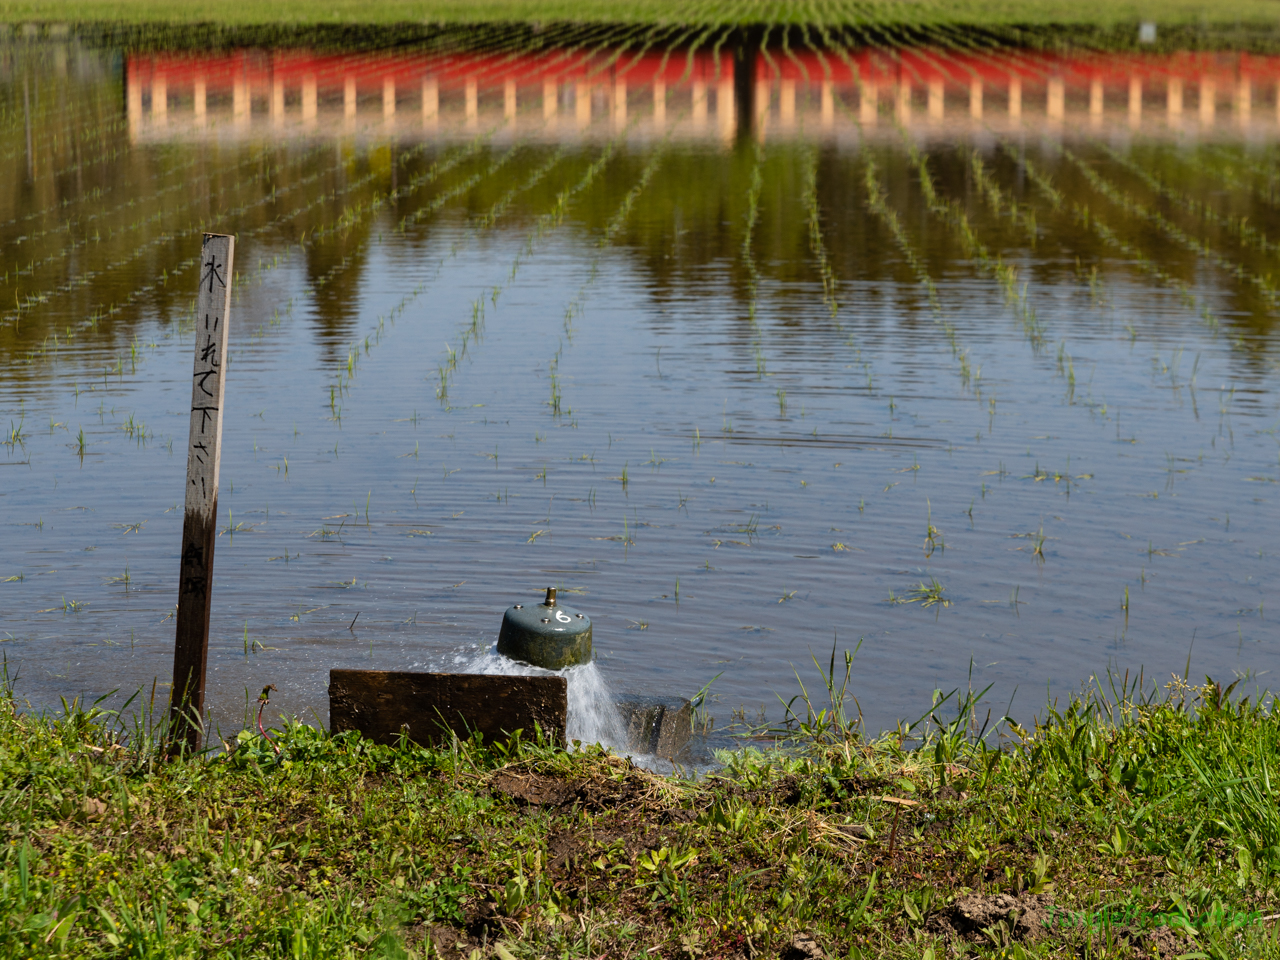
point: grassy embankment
(366, 12)
(1120, 826)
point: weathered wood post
(195, 582)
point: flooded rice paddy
(961, 351)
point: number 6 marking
(563, 617)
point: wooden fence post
(199, 525)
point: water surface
(739, 350)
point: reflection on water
(744, 342)
(825, 92)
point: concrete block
(431, 706)
(660, 726)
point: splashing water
(593, 716)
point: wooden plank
(195, 577)
(432, 706)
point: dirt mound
(677, 816)
(533, 788)
(1164, 942)
(803, 947)
(603, 793)
(1025, 917)
(592, 793)
(564, 848)
(1154, 943)
(785, 791)
(569, 848)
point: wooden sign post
(195, 583)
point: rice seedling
(124, 580)
(816, 245)
(1001, 202)
(251, 645)
(878, 205)
(1042, 181)
(626, 538)
(169, 236)
(927, 594)
(748, 256)
(954, 216)
(553, 218)
(73, 247)
(656, 461)
(876, 197)
(554, 402)
(16, 434)
(1172, 231)
(932, 538)
(543, 225)
(136, 430)
(1239, 227)
(761, 366)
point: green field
(1191, 13)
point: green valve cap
(549, 635)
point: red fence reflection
(758, 88)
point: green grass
(306, 13)
(1116, 812)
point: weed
(831, 723)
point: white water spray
(593, 715)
